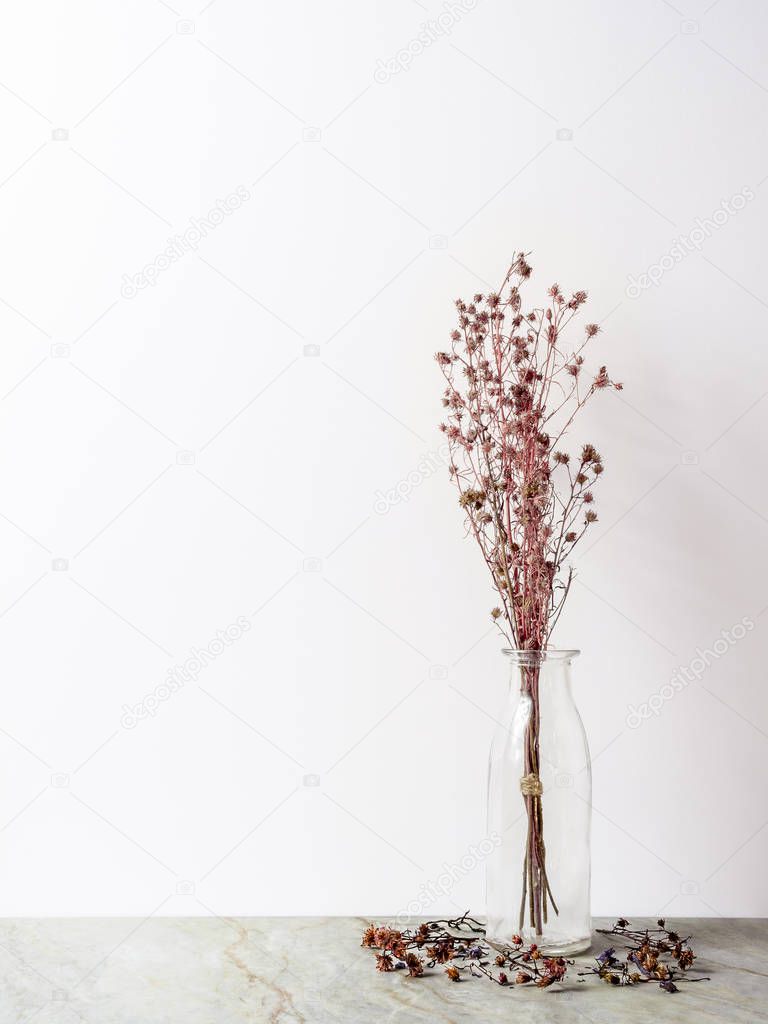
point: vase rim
(537, 657)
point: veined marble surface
(295, 970)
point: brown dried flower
(414, 964)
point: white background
(222, 444)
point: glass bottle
(539, 810)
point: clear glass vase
(539, 810)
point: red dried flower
(555, 967)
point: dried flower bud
(602, 380)
(415, 965)
(453, 973)
(398, 949)
(555, 967)
(472, 499)
(521, 978)
(589, 454)
(685, 959)
(590, 516)
(570, 537)
(591, 330)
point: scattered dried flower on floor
(656, 955)
(441, 943)
(653, 955)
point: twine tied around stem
(530, 785)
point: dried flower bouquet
(513, 387)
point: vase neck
(543, 676)
(533, 658)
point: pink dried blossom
(511, 399)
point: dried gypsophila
(513, 388)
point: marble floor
(294, 970)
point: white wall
(332, 759)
